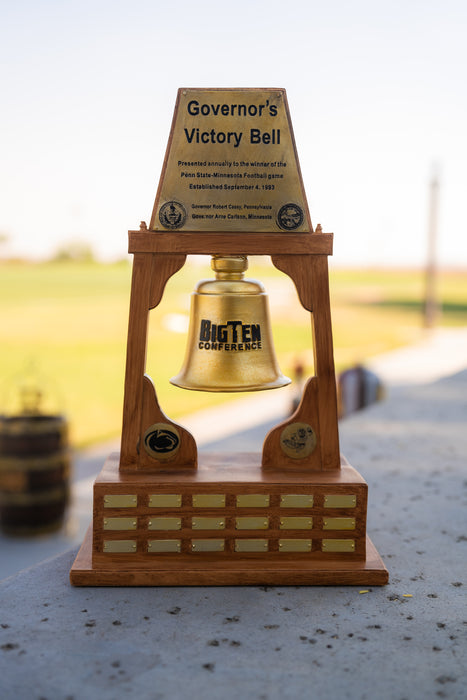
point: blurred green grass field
(69, 321)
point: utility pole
(431, 305)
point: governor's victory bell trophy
(230, 188)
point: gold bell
(229, 338)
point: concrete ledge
(407, 640)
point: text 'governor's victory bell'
(230, 188)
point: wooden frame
(308, 543)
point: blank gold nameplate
(296, 500)
(251, 545)
(120, 501)
(209, 500)
(165, 524)
(165, 500)
(119, 546)
(164, 546)
(338, 523)
(207, 523)
(251, 523)
(294, 545)
(207, 545)
(338, 546)
(120, 523)
(340, 500)
(296, 523)
(253, 500)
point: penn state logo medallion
(161, 441)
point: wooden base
(125, 557)
(247, 572)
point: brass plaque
(252, 523)
(207, 545)
(164, 546)
(119, 546)
(296, 500)
(296, 523)
(339, 524)
(231, 165)
(340, 500)
(295, 545)
(253, 500)
(251, 545)
(162, 441)
(165, 500)
(209, 500)
(165, 524)
(120, 523)
(207, 523)
(298, 440)
(338, 546)
(120, 501)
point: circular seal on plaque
(290, 217)
(162, 441)
(298, 440)
(172, 215)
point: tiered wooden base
(228, 523)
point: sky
(376, 90)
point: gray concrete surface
(405, 641)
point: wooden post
(150, 275)
(135, 359)
(319, 404)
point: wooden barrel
(34, 473)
